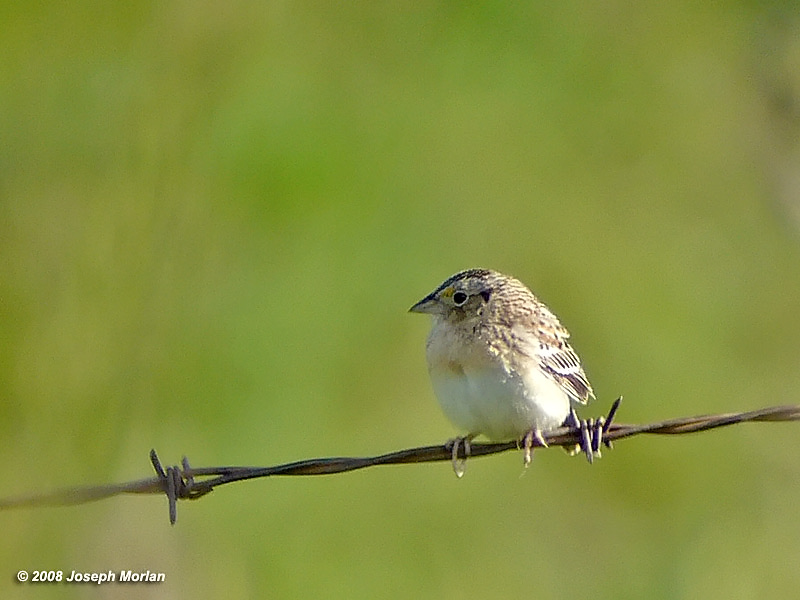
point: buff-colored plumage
(499, 360)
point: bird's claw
(534, 435)
(460, 462)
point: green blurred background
(215, 216)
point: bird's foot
(534, 435)
(460, 462)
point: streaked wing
(556, 357)
(565, 366)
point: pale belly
(497, 403)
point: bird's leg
(460, 463)
(534, 435)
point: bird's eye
(459, 298)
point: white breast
(481, 394)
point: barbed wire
(185, 482)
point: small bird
(499, 361)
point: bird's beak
(428, 305)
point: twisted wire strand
(188, 483)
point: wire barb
(185, 482)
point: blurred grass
(215, 217)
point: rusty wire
(188, 483)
